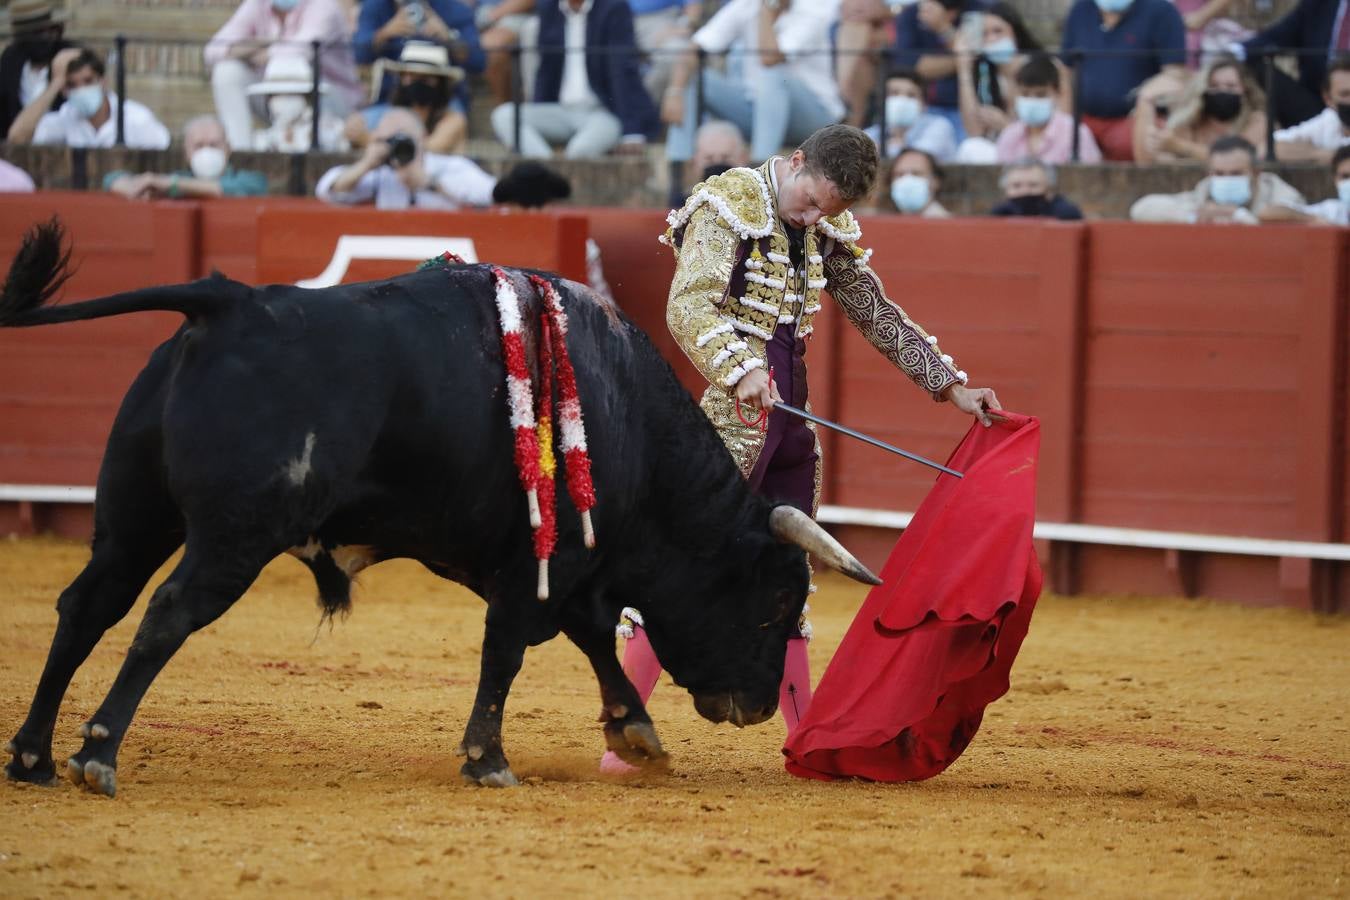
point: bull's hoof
(98, 777)
(476, 772)
(637, 744)
(29, 766)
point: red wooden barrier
(296, 243)
(60, 387)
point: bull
(365, 422)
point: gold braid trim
(858, 291)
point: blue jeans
(792, 112)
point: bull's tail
(42, 267)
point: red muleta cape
(933, 644)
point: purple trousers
(786, 470)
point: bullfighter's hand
(758, 390)
(974, 401)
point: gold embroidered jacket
(735, 284)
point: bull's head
(726, 644)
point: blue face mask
(1000, 51)
(910, 193)
(1113, 6)
(901, 112)
(1230, 190)
(1035, 111)
(86, 100)
(285, 6)
(1343, 190)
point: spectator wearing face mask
(987, 60)
(925, 37)
(88, 118)
(718, 146)
(285, 91)
(25, 65)
(1029, 190)
(426, 84)
(531, 185)
(1320, 137)
(1235, 191)
(908, 122)
(1041, 129)
(1221, 100)
(208, 173)
(916, 179)
(263, 31)
(1122, 43)
(1313, 25)
(386, 28)
(1335, 211)
(394, 172)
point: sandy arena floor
(1148, 747)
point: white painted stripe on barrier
(899, 520)
(45, 493)
(1116, 537)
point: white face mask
(207, 162)
(286, 108)
(911, 193)
(1343, 190)
(901, 112)
(86, 100)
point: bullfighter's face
(803, 198)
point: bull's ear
(792, 526)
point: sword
(866, 439)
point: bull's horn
(792, 526)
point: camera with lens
(402, 149)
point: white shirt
(1323, 131)
(803, 35)
(1333, 211)
(458, 182)
(32, 82)
(576, 85)
(142, 130)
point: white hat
(287, 74)
(425, 58)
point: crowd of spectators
(723, 82)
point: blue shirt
(1148, 36)
(456, 15)
(913, 40)
(643, 7)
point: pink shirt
(1056, 144)
(311, 20)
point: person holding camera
(395, 173)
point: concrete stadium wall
(1188, 379)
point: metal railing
(1263, 61)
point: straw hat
(286, 75)
(33, 15)
(425, 58)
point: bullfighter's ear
(792, 526)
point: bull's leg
(98, 598)
(200, 589)
(503, 652)
(628, 729)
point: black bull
(365, 422)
